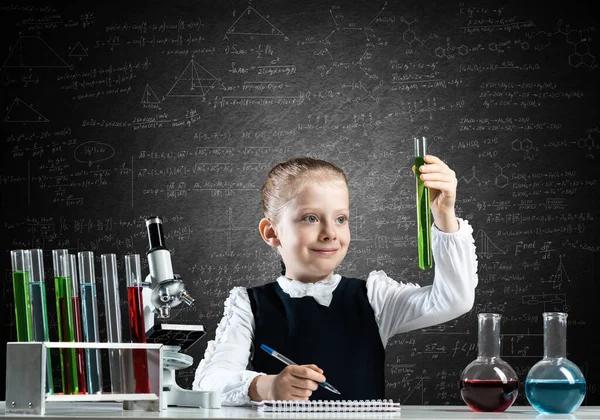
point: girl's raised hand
(441, 181)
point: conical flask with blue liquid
(555, 384)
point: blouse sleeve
(401, 307)
(224, 366)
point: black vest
(342, 339)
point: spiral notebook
(326, 405)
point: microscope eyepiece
(156, 237)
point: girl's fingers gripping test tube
(423, 208)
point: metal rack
(26, 379)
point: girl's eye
(342, 219)
(311, 219)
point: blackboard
(114, 113)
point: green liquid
(40, 325)
(66, 332)
(423, 219)
(23, 318)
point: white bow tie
(321, 291)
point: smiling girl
(335, 327)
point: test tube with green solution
(39, 310)
(21, 271)
(89, 312)
(64, 311)
(423, 208)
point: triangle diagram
(32, 51)
(78, 51)
(485, 244)
(251, 22)
(195, 80)
(149, 97)
(20, 112)
(561, 274)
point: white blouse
(398, 307)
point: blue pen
(288, 362)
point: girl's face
(313, 231)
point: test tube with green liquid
(39, 310)
(21, 271)
(64, 311)
(423, 208)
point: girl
(335, 328)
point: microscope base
(174, 395)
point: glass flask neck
(488, 342)
(555, 334)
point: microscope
(162, 292)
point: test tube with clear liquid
(423, 208)
(21, 271)
(133, 275)
(39, 310)
(89, 316)
(113, 322)
(76, 308)
(64, 311)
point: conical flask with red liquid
(489, 383)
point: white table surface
(111, 410)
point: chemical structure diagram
(525, 146)
(501, 180)
(577, 39)
(410, 37)
(348, 45)
(473, 178)
(589, 142)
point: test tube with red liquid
(133, 275)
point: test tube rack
(26, 379)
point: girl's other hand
(295, 382)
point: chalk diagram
(577, 39)
(32, 51)
(348, 45)
(557, 301)
(250, 22)
(93, 152)
(485, 246)
(78, 51)
(521, 345)
(420, 384)
(450, 327)
(20, 112)
(559, 277)
(194, 81)
(472, 178)
(149, 97)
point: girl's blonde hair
(286, 179)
